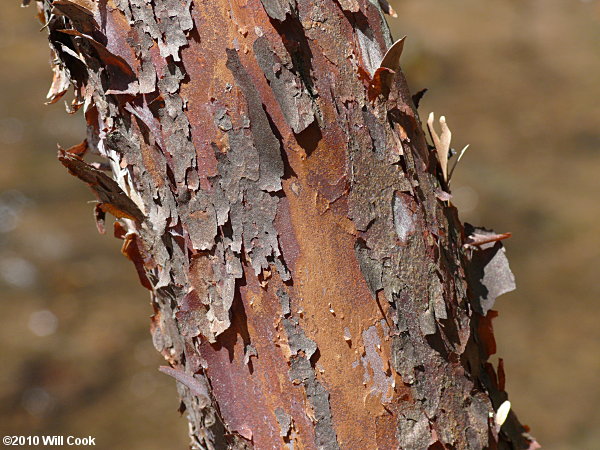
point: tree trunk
(312, 285)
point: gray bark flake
(293, 98)
(279, 9)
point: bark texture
(312, 285)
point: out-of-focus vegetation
(516, 80)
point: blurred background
(517, 80)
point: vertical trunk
(311, 282)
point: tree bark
(312, 285)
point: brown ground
(515, 79)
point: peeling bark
(312, 285)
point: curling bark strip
(273, 184)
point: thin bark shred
(274, 188)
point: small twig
(441, 143)
(462, 152)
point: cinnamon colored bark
(273, 186)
